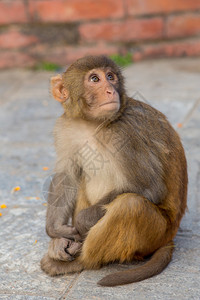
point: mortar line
(66, 292)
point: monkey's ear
(58, 91)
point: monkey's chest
(98, 155)
(101, 170)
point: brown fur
(154, 266)
(132, 204)
(54, 267)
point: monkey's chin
(109, 109)
(104, 112)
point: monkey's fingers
(57, 248)
(74, 248)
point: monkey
(120, 174)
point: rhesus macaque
(120, 174)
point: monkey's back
(154, 158)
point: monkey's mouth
(111, 102)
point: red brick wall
(60, 31)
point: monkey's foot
(63, 249)
(54, 267)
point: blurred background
(47, 35)
(57, 32)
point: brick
(13, 59)
(170, 49)
(52, 33)
(14, 39)
(144, 7)
(130, 30)
(64, 55)
(76, 10)
(12, 12)
(183, 25)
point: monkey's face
(91, 88)
(101, 93)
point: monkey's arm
(88, 217)
(61, 202)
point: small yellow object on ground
(15, 189)
(3, 206)
(45, 168)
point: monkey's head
(91, 88)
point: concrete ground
(27, 116)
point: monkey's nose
(110, 92)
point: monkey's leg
(54, 267)
(132, 227)
(61, 257)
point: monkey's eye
(110, 76)
(94, 78)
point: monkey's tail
(159, 260)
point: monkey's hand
(87, 218)
(63, 249)
(62, 231)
